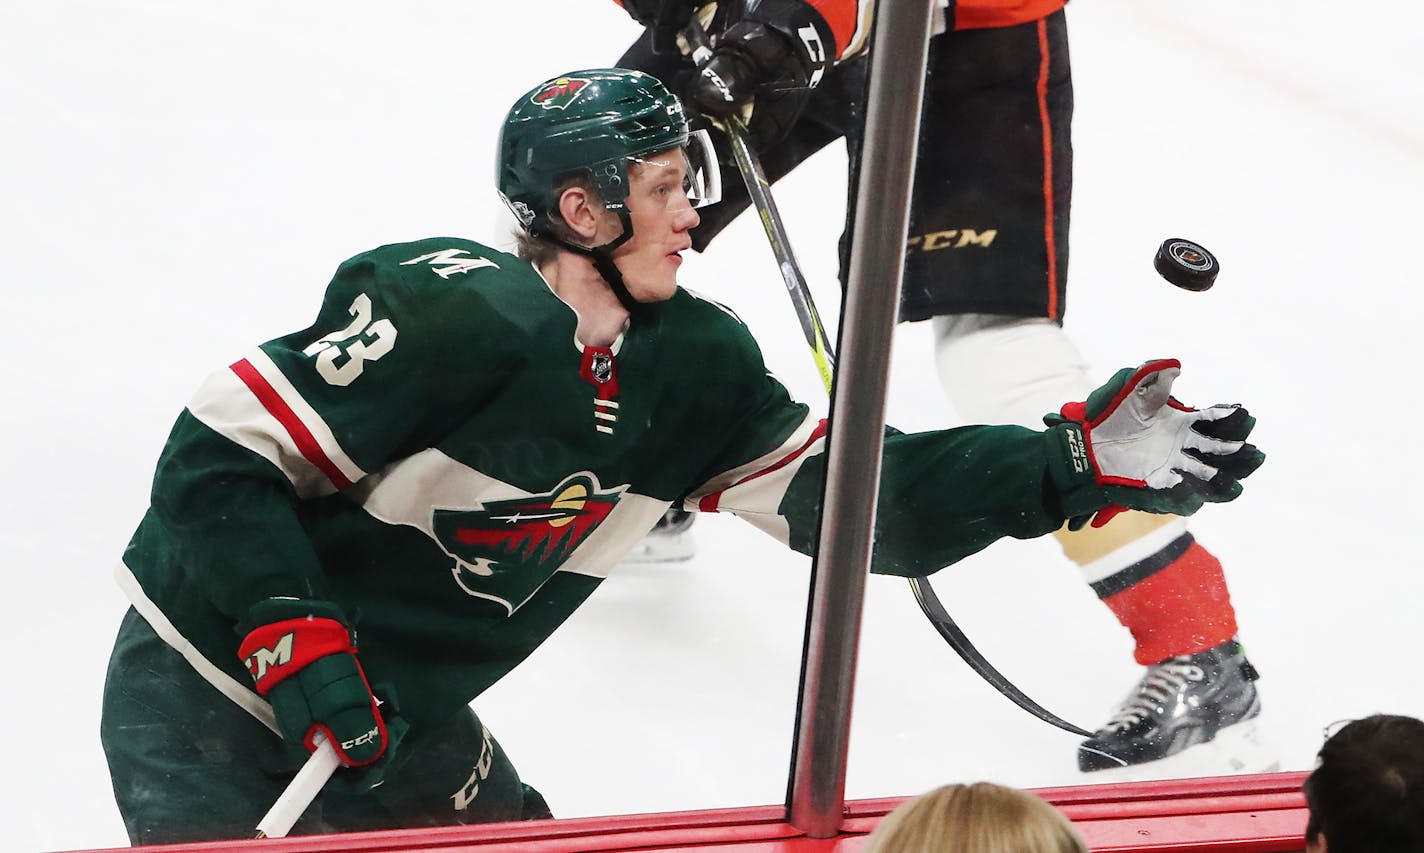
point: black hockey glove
(774, 55)
(664, 19)
(302, 656)
(1132, 443)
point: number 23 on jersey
(342, 356)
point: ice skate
(1190, 715)
(669, 542)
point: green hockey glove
(302, 656)
(1136, 446)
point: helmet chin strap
(602, 257)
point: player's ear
(580, 209)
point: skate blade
(654, 548)
(1236, 750)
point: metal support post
(899, 48)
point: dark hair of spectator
(1367, 791)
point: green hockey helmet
(593, 123)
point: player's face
(662, 216)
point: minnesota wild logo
(506, 549)
(559, 93)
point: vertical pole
(899, 48)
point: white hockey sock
(999, 369)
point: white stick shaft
(300, 791)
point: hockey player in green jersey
(358, 527)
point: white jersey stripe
(231, 407)
(243, 696)
(864, 16)
(753, 491)
(314, 423)
(404, 493)
(227, 406)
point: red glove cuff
(276, 651)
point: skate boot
(1190, 715)
(669, 542)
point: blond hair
(978, 818)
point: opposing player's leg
(988, 262)
(1161, 584)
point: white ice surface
(178, 181)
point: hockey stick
(300, 791)
(759, 189)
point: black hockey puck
(1186, 264)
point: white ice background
(179, 179)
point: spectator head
(1367, 791)
(978, 818)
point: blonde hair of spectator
(978, 818)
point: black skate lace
(1159, 684)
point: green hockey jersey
(441, 456)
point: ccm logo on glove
(368, 737)
(1077, 454)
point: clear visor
(697, 160)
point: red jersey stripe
(709, 503)
(278, 408)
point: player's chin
(656, 291)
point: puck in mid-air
(1186, 264)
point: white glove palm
(1147, 451)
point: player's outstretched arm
(1146, 451)
(947, 494)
